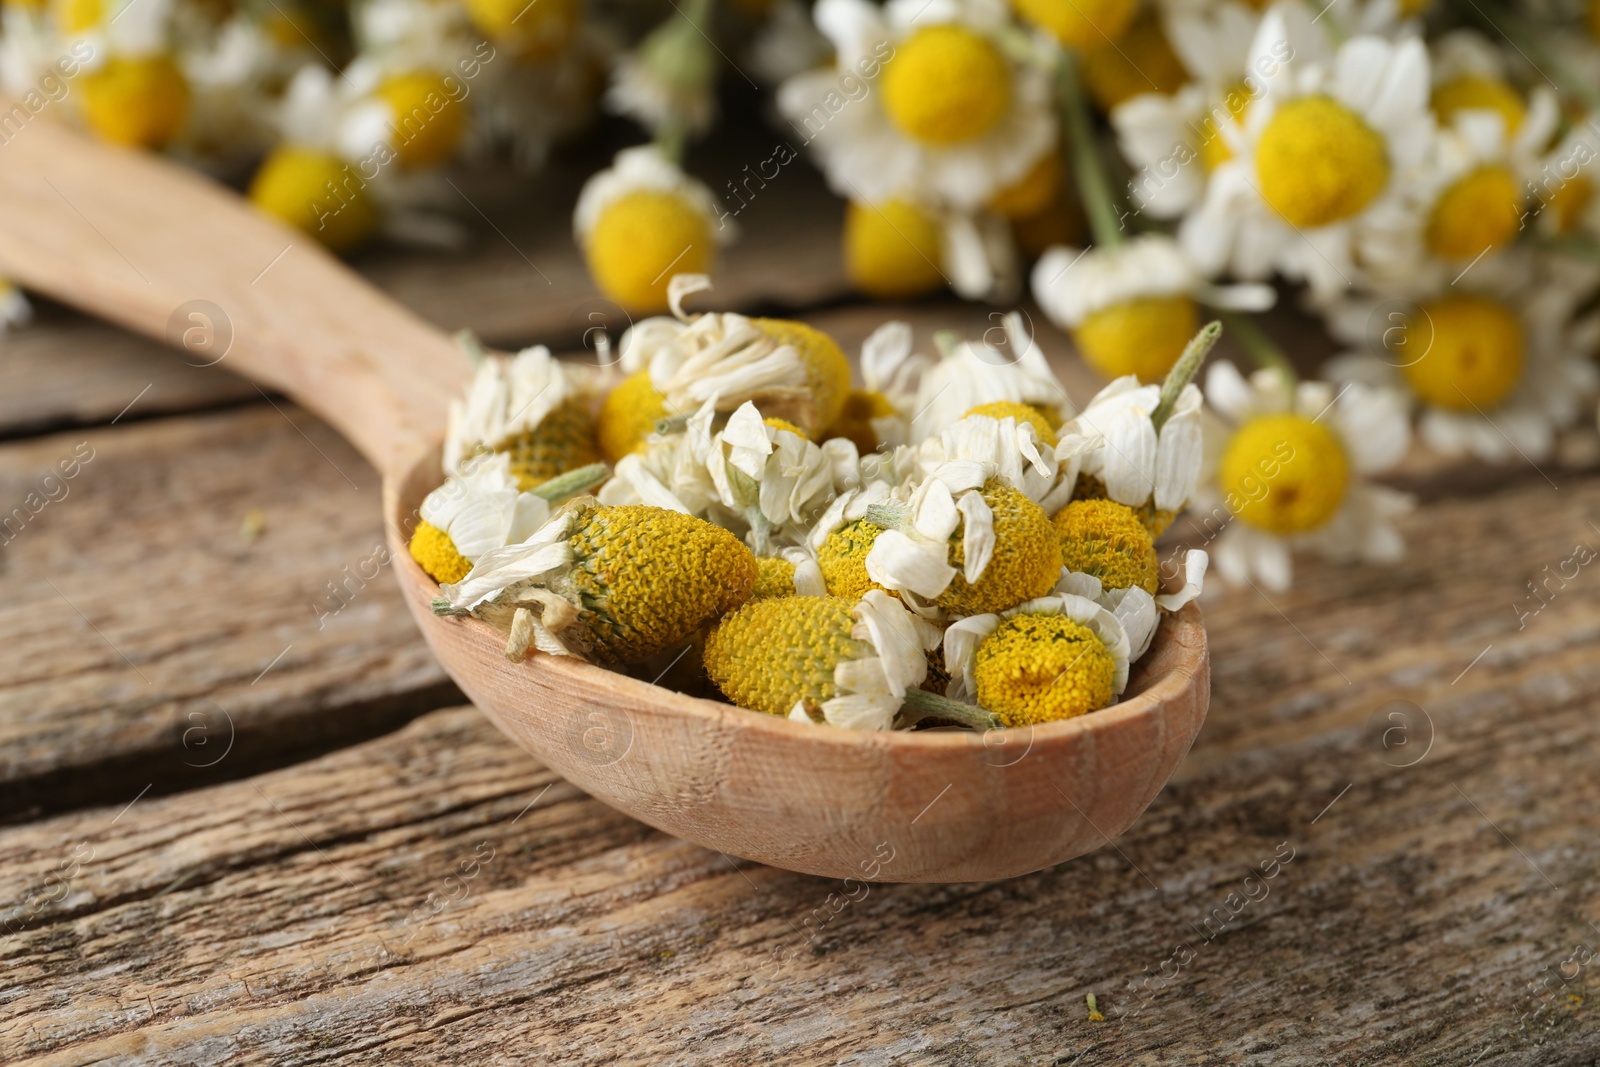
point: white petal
(977, 539)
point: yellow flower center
(139, 102)
(946, 84)
(78, 16)
(1482, 210)
(641, 240)
(648, 578)
(1005, 409)
(1284, 473)
(436, 554)
(1214, 151)
(1080, 23)
(427, 123)
(1033, 192)
(854, 423)
(532, 30)
(1156, 520)
(827, 370)
(775, 653)
(785, 424)
(1141, 62)
(563, 441)
(843, 560)
(1478, 92)
(892, 250)
(1026, 560)
(628, 416)
(1106, 540)
(315, 192)
(1143, 337)
(1474, 355)
(774, 577)
(1319, 162)
(1041, 668)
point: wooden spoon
(133, 239)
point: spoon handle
(165, 252)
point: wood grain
(1409, 913)
(141, 626)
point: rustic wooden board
(143, 628)
(1428, 901)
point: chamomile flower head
(1080, 24)
(1021, 414)
(1497, 363)
(1320, 158)
(133, 89)
(923, 101)
(479, 508)
(1007, 440)
(614, 584)
(628, 415)
(1011, 369)
(893, 249)
(529, 407)
(529, 31)
(878, 415)
(965, 543)
(1132, 308)
(822, 658)
(1051, 658)
(1108, 541)
(793, 572)
(1121, 456)
(788, 369)
(1288, 463)
(1137, 610)
(641, 222)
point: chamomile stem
(1257, 345)
(471, 346)
(1183, 372)
(672, 424)
(1525, 40)
(1577, 247)
(926, 705)
(572, 482)
(1094, 184)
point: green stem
(1257, 345)
(1094, 184)
(572, 483)
(1524, 39)
(672, 424)
(471, 346)
(1183, 372)
(926, 705)
(1579, 247)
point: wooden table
(246, 818)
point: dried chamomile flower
(644, 221)
(1013, 369)
(1038, 418)
(965, 543)
(1107, 540)
(1051, 658)
(820, 657)
(789, 370)
(1005, 445)
(892, 250)
(878, 415)
(529, 407)
(133, 89)
(628, 415)
(614, 584)
(1137, 610)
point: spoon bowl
(142, 243)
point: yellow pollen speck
(1031, 193)
(1080, 23)
(892, 250)
(1041, 668)
(1141, 62)
(1319, 162)
(532, 30)
(436, 554)
(772, 654)
(1026, 560)
(1004, 409)
(861, 406)
(1106, 540)
(1156, 520)
(641, 240)
(774, 577)
(827, 368)
(946, 84)
(315, 192)
(563, 441)
(1474, 356)
(628, 416)
(1284, 473)
(427, 123)
(1482, 210)
(1144, 337)
(138, 102)
(648, 578)
(1478, 92)
(843, 560)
